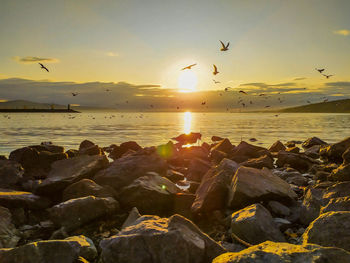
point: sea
(154, 128)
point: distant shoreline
(39, 111)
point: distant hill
(337, 106)
(24, 104)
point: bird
(224, 47)
(215, 70)
(308, 101)
(216, 82)
(250, 102)
(276, 115)
(151, 106)
(262, 94)
(43, 67)
(242, 91)
(267, 106)
(320, 70)
(325, 100)
(189, 67)
(327, 76)
(243, 104)
(226, 89)
(108, 90)
(204, 102)
(74, 94)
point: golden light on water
(187, 81)
(187, 122)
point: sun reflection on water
(187, 122)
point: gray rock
(10, 173)
(9, 235)
(277, 146)
(259, 163)
(313, 141)
(245, 151)
(313, 151)
(335, 151)
(300, 162)
(278, 209)
(16, 199)
(132, 217)
(337, 204)
(223, 146)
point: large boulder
(66, 172)
(87, 187)
(68, 250)
(277, 146)
(158, 240)
(254, 224)
(74, 213)
(300, 162)
(151, 194)
(245, 151)
(19, 199)
(334, 152)
(125, 170)
(271, 252)
(250, 185)
(331, 229)
(9, 236)
(213, 191)
(223, 146)
(118, 151)
(89, 148)
(312, 142)
(259, 163)
(10, 173)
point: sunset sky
(274, 47)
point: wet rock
(321, 176)
(250, 185)
(334, 152)
(278, 209)
(290, 144)
(89, 148)
(294, 149)
(337, 204)
(87, 187)
(197, 169)
(245, 151)
(74, 213)
(259, 163)
(284, 252)
(223, 146)
(300, 162)
(313, 151)
(125, 170)
(157, 240)
(68, 250)
(216, 138)
(331, 229)
(254, 224)
(66, 172)
(313, 141)
(118, 151)
(16, 199)
(151, 194)
(9, 235)
(277, 146)
(213, 191)
(10, 173)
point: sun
(187, 81)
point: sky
(138, 48)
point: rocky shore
(215, 202)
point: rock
(74, 213)
(193, 152)
(277, 146)
(337, 204)
(132, 217)
(26, 156)
(188, 138)
(11, 173)
(300, 162)
(3, 157)
(89, 148)
(346, 156)
(321, 176)
(15, 199)
(216, 138)
(271, 252)
(66, 172)
(311, 206)
(290, 144)
(294, 149)
(223, 146)
(231, 247)
(313, 151)
(125, 170)
(213, 191)
(259, 163)
(158, 240)
(281, 223)
(72, 153)
(334, 152)
(245, 151)
(174, 176)
(151, 194)
(8, 233)
(313, 141)
(217, 156)
(342, 173)
(331, 229)
(250, 185)
(183, 203)
(118, 151)
(278, 209)
(197, 169)
(68, 250)
(254, 224)
(87, 187)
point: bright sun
(187, 81)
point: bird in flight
(204, 102)
(320, 70)
(43, 67)
(108, 90)
(216, 82)
(267, 106)
(215, 70)
(327, 76)
(74, 94)
(189, 67)
(242, 91)
(226, 89)
(224, 47)
(262, 94)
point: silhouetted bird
(250, 102)
(215, 70)
(151, 106)
(224, 48)
(262, 94)
(108, 90)
(203, 103)
(320, 70)
(243, 104)
(267, 106)
(43, 67)
(243, 92)
(226, 89)
(216, 82)
(327, 76)
(325, 100)
(308, 101)
(74, 94)
(189, 67)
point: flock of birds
(241, 101)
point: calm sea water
(104, 128)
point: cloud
(343, 32)
(338, 84)
(112, 54)
(302, 78)
(30, 59)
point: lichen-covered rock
(158, 240)
(342, 173)
(312, 142)
(9, 235)
(223, 146)
(337, 204)
(19, 199)
(277, 146)
(335, 151)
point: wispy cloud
(30, 59)
(343, 32)
(112, 54)
(338, 84)
(302, 78)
